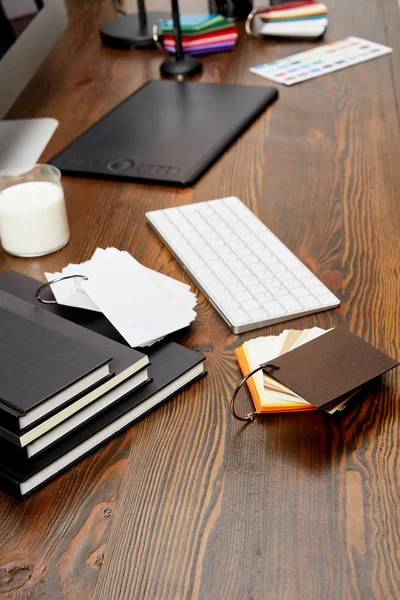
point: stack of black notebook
(69, 383)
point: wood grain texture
(188, 504)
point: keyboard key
(236, 244)
(256, 245)
(265, 297)
(216, 264)
(210, 279)
(285, 276)
(251, 260)
(270, 284)
(319, 290)
(328, 299)
(203, 272)
(256, 288)
(242, 273)
(222, 295)
(200, 245)
(258, 315)
(229, 304)
(309, 302)
(216, 287)
(271, 260)
(274, 309)
(290, 303)
(310, 282)
(197, 263)
(301, 272)
(300, 292)
(249, 280)
(230, 279)
(250, 305)
(223, 272)
(276, 267)
(224, 251)
(209, 256)
(266, 277)
(257, 267)
(279, 291)
(235, 288)
(265, 255)
(292, 284)
(238, 316)
(243, 296)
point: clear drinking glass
(33, 217)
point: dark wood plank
(188, 503)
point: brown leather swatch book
(331, 367)
(315, 369)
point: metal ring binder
(156, 35)
(248, 23)
(249, 417)
(56, 280)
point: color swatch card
(294, 20)
(201, 34)
(321, 60)
(309, 369)
(142, 304)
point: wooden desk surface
(188, 503)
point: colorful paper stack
(307, 19)
(201, 34)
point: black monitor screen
(14, 18)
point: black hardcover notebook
(172, 368)
(25, 287)
(128, 367)
(166, 132)
(41, 370)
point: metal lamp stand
(179, 65)
(130, 31)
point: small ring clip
(249, 28)
(266, 368)
(56, 280)
(119, 8)
(248, 24)
(157, 37)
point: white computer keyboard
(250, 277)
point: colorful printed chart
(319, 61)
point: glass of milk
(33, 217)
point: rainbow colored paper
(201, 34)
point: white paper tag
(143, 305)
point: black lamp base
(188, 65)
(127, 32)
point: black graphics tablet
(166, 132)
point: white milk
(33, 219)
